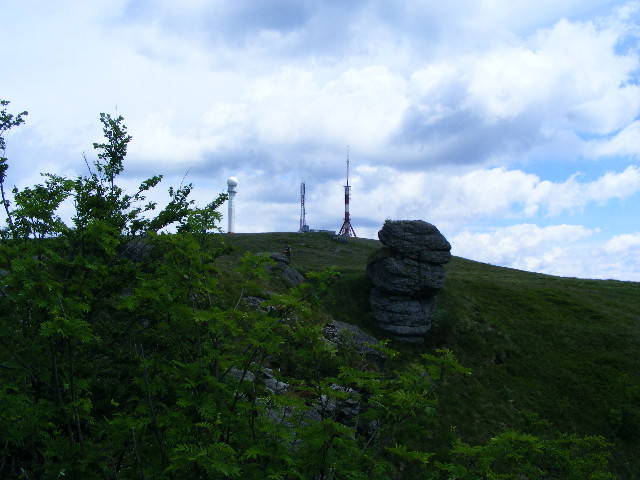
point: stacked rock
(406, 276)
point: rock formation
(406, 275)
(347, 336)
(290, 276)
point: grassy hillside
(545, 351)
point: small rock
(275, 386)
(279, 257)
(246, 376)
(272, 384)
(347, 335)
(343, 410)
(137, 250)
(254, 303)
(290, 276)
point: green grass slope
(546, 352)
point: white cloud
(568, 76)
(361, 106)
(470, 104)
(624, 142)
(626, 243)
(522, 246)
(565, 250)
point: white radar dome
(232, 182)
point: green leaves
(67, 328)
(35, 215)
(411, 456)
(217, 459)
(113, 152)
(7, 121)
(513, 455)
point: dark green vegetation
(126, 352)
(546, 353)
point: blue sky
(512, 125)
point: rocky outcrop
(138, 250)
(272, 384)
(406, 275)
(416, 239)
(289, 275)
(347, 336)
(340, 403)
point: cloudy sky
(512, 125)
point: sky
(511, 125)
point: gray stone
(279, 257)
(290, 276)
(402, 311)
(408, 339)
(406, 276)
(344, 409)
(245, 376)
(254, 303)
(276, 386)
(406, 330)
(416, 239)
(347, 335)
(137, 250)
(272, 384)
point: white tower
(232, 183)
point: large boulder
(406, 275)
(416, 239)
(394, 313)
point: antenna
(347, 165)
(303, 220)
(347, 230)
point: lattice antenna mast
(347, 228)
(303, 213)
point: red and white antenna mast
(347, 229)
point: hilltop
(546, 352)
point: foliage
(123, 355)
(513, 456)
(7, 121)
